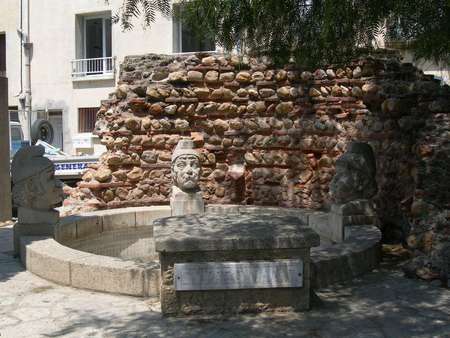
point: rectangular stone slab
(287, 273)
(215, 232)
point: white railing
(97, 67)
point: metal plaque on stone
(285, 273)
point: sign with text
(284, 273)
(83, 140)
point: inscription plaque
(284, 273)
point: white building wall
(53, 34)
(428, 67)
(9, 22)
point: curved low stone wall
(126, 263)
(61, 261)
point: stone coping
(228, 231)
(53, 260)
(85, 225)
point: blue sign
(70, 166)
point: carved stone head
(355, 174)
(34, 183)
(186, 167)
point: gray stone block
(152, 280)
(358, 220)
(358, 254)
(222, 209)
(66, 229)
(182, 203)
(327, 226)
(146, 216)
(89, 225)
(49, 259)
(356, 207)
(108, 274)
(118, 219)
(216, 232)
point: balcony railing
(93, 68)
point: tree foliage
(312, 31)
(147, 9)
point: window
(97, 38)
(13, 113)
(93, 46)
(2, 55)
(185, 40)
(86, 119)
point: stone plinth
(182, 203)
(345, 216)
(237, 248)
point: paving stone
(380, 304)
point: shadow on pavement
(382, 304)
(9, 266)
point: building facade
(74, 61)
(75, 56)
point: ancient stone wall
(267, 136)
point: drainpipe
(28, 48)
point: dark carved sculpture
(355, 174)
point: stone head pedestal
(186, 197)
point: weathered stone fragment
(149, 156)
(243, 77)
(284, 107)
(135, 174)
(212, 76)
(314, 92)
(180, 76)
(103, 174)
(220, 125)
(209, 60)
(171, 110)
(281, 75)
(194, 76)
(227, 77)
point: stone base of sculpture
(34, 223)
(32, 216)
(353, 213)
(183, 203)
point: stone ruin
(272, 136)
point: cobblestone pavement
(381, 304)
